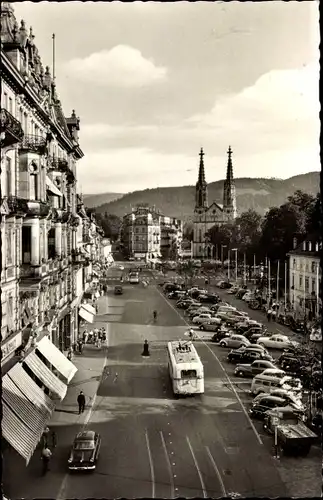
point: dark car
(85, 451)
(254, 330)
(242, 355)
(220, 334)
(226, 284)
(254, 368)
(259, 408)
(118, 290)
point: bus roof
(183, 352)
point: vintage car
(277, 341)
(118, 290)
(85, 451)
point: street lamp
(236, 259)
(222, 247)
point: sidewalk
(20, 481)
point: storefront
(30, 391)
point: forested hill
(259, 194)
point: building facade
(305, 278)
(206, 216)
(49, 243)
(147, 234)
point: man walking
(81, 402)
(46, 456)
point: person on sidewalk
(46, 456)
(70, 354)
(269, 312)
(54, 439)
(81, 402)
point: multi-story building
(141, 233)
(171, 236)
(42, 228)
(150, 235)
(305, 275)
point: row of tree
(272, 236)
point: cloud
(120, 66)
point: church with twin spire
(215, 214)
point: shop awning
(56, 386)
(85, 314)
(21, 438)
(51, 187)
(57, 358)
(31, 390)
(89, 308)
(22, 407)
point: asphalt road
(154, 445)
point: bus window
(188, 374)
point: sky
(154, 82)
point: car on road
(268, 402)
(289, 397)
(233, 290)
(250, 370)
(234, 341)
(240, 293)
(248, 296)
(277, 341)
(118, 290)
(221, 334)
(85, 451)
(121, 267)
(209, 326)
(247, 355)
(226, 284)
(201, 318)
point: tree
(222, 235)
(248, 233)
(111, 225)
(315, 217)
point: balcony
(37, 208)
(16, 206)
(10, 128)
(57, 164)
(34, 272)
(34, 144)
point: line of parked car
(276, 385)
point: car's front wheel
(223, 344)
(202, 327)
(262, 344)
(240, 374)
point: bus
(134, 277)
(185, 368)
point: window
(32, 127)
(300, 281)
(8, 176)
(313, 269)
(10, 312)
(36, 130)
(10, 105)
(313, 285)
(307, 284)
(293, 280)
(51, 243)
(188, 374)
(33, 193)
(5, 100)
(26, 244)
(25, 123)
(21, 116)
(9, 246)
(294, 263)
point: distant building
(206, 216)
(305, 293)
(148, 234)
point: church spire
(229, 190)
(201, 200)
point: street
(154, 445)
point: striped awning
(18, 434)
(56, 386)
(31, 390)
(57, 358)
(85, 314)
(89, 308)
(23, 408)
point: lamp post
(244, 269)
(236, 261)
(222, 247)
(229, 264)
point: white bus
(185, 368)
(134, 277)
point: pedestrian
(70, 354)
(46, 456)
(54, 439)
(80, 346)
(146, 349)
(90, 336)
(45, 436)
(81, 402)
(269, 312)
(273, 315)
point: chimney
(316, 247)
(309, 246)
(294, 243)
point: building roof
(310, 241)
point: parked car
(233, 290)
(276, 372)
(250, 370)
(214, 321)
(201, 318)
(209, 326)
(240, 293)
(277, 341)
(219, 283)
(247, 355)
(234, 341)
(247, 297)
(85, 451)
(221, 334)
(268, 402)
(292, 384)
(290, 397)
(200, 310)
